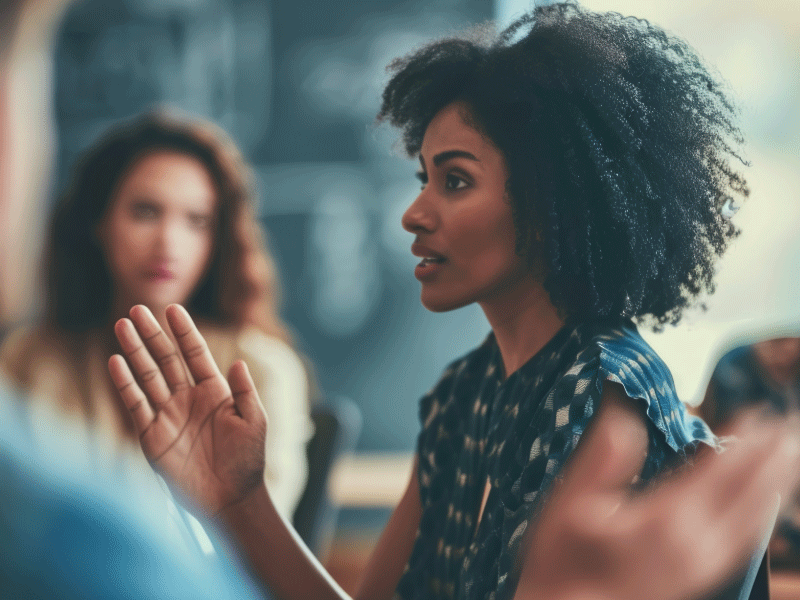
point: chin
(440, 304)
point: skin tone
(158, 232)
(472, 235)
(230, 409)
(780, 358)
(462, 221)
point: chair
(337, 421)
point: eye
(454, 182)
(143, 210)
(423, 178)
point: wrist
(247, 511)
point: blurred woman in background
(160, 211)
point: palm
(206, 437)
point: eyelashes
(455, 182)
(452, 181)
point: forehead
(450, 129)
(167, 175)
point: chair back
(337, 421)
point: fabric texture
(517, 434)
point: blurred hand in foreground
(682, 540)
(204, 433)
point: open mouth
(429, 260)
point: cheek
(128, 242)
(489, 243)
(199, 251)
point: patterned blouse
(517, 434)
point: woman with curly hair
(576, 176)
(159, 211)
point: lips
(431, 263)
(160, 274)
(428, 255)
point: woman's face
(158, 233)
(462, 217)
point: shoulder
(617, 353)
(27, 350)
(628, 360)
(20, 342)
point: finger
(134, 398)
(244, 392)
(745, 529)
(192, 345)
(756, 466)
(774, 478)
(160, 347)
(142, 364)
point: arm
(207, 436)
(263, 535)
(394, 548)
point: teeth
(430, 260)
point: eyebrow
(443, 157)
(451, 154)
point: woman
(574, 173)
(160, 211)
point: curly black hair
(618, 142)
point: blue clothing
(65, 534)
(739, 381)
(517, 434)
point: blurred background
(297, 83)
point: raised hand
(682, 540)
(204, 433)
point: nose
(420, 217)
(169, 238)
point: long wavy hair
(620, 144)
(241, 285)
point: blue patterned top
(517, 434)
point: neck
(523, 321)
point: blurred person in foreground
(65, 535)
(160, 210)
(576, 171)
(763, 374)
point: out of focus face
(462, 218)
(780, 357)
(158, 234)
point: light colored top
(73, 377)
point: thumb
(244, 392)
